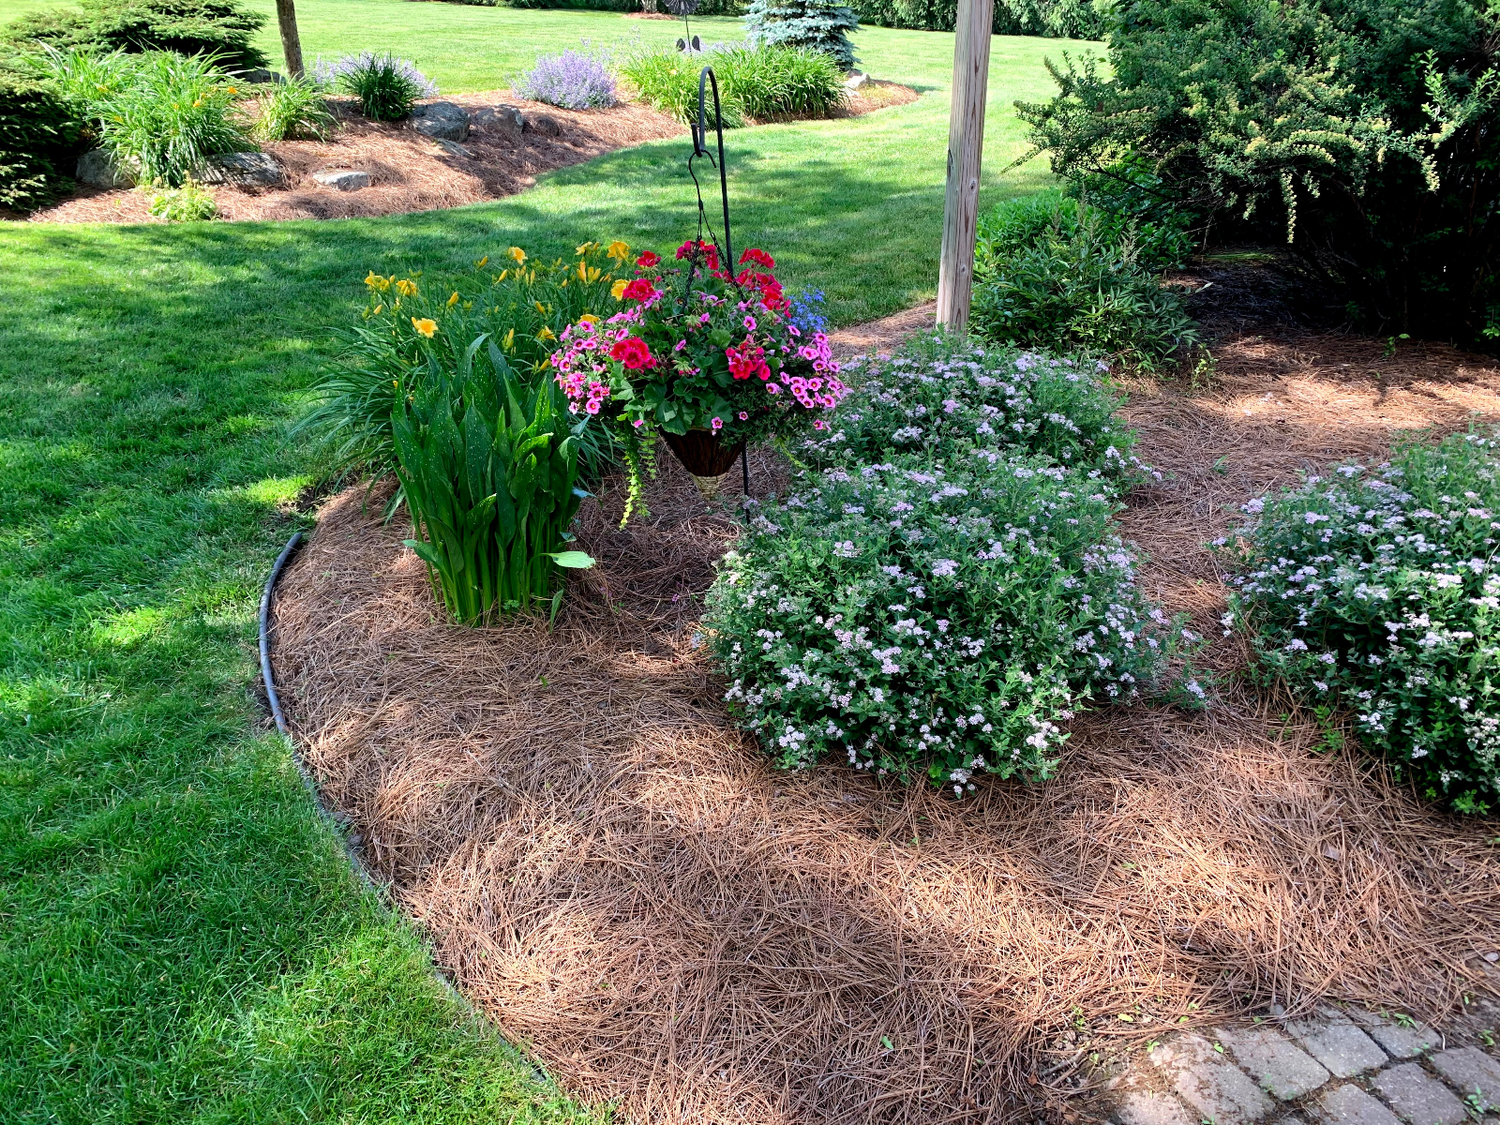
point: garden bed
(617, 876)
(411, 172)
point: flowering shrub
(412, 324)
(698, 347)
(916, 620)
(386, 86)
(1378, 589)
(952, 401)
(572, 80)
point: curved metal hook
(700, 136)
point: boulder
(261, 77)
(98, 169)
(542, 124)
(453, 148)
(244, 169)
(855, 80)
(502, 120)
(342, 179)
(440, 120)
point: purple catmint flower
(571, 80)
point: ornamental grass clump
(764, 82)
(489, 469)
(1377, 589)
(523, 305)
(386, 86)
(571, 80)
(921, 621)
(293, 110)
(955, 402)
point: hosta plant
(490, 470)
(697, 346)
(917, 621)
(1377, 589)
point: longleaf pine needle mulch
(621, 880)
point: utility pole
(971, 72)
(291, 45)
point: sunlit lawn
(180, 937)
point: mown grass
(180, 937)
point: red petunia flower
(647, 260)
(639, 290)
(759, 257)
(633, 353)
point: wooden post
(291, 44)
(971, 72)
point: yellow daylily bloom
(586, 248)
(618, 250)
(517, 253)
(425, 326)
(546, 334)
(617, 290)
(378, 309)
(375, 281)
(588, 318)
(484, 261)
(406, 287)
(593, 275)
(541, 308)
(453, 300)
(583, 270)
(509, 341)
(503, 275)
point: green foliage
(1362, 132)
(293, 110)
(489, 468)
(386, 86)
(814, 25)
(38, 137)
(956, 405)
(764, 82)
(522, 306)
(1377, 589)
(1052, 272)
(160, 115)
(1063, 19)
(189, 203)
(221, 28)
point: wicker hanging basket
(704, 455)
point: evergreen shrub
(812, 25)
(1377, 589)
(1364, 133)
(223, 29)
(1065, 19)
(39, 137)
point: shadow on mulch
(620, 879)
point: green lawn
(180, 937)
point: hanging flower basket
(705, 455)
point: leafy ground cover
(182, 940)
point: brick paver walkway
(1342, 1066)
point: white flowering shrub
(947, 400)
(921, 621)
(1378, 589)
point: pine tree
(819, 25)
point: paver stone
(1333, 1039)
(1146, 1107)
(1471, 1069)
(1209, 1083)
(1349, 1105)
(1279, 1065)
(1419, 1097)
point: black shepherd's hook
(700, 148)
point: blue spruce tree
(819, 25)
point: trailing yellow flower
(453, 300)
(617, 290)
(406, 288)
(425, 326)
(518, 254)
(375, 281)
(618, 250)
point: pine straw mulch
(410, 172)
(616, 876)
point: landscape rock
(260, 76)
(440, 120)
(1204, 1079)
(541, 123)
(97, 168)
(1335, 1041)
(1273, 1060)
(244, 169)
(453, 148)
(1146, 1107)
(342, 179)
(1349, 1105)
(1419, 1097)
(856, 80)
(502, 120)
